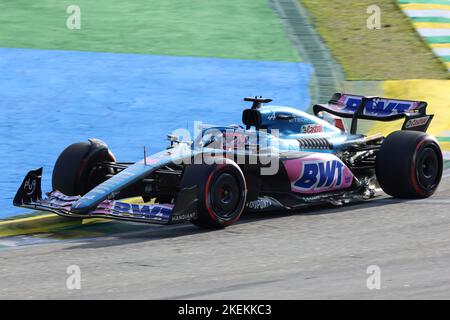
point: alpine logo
(272, 116)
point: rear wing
(377, 108)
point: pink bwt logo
(318, 173)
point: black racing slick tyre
(409, 164)
(221, 193)
(77, 169)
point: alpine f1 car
(283, 159)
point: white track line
(442, 51)
(428, 13)
(428, 32)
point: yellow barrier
(435, 92)
(425, 6)
(40, 224)
(431, 25)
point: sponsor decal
(158, 212)
(29, 186)
(311, 128)
(261, 203)
(417, 122)
(183, 217)
(318, 173)
(143, 210)
(300, 120)
(291, 118)
(378, 106)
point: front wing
(30, 196)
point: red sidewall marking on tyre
(415, 183)
(208, 207)
(208, 181)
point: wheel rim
(225, 195)
(427, 168)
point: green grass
(395, 51)
(209, 28)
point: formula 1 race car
(283, 159)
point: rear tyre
(221, 193)
(77, 169)
(409, 164)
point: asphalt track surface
(322, 253)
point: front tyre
(221, 193)
(409, 164)
(78, 168)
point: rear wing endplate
(377, 108)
